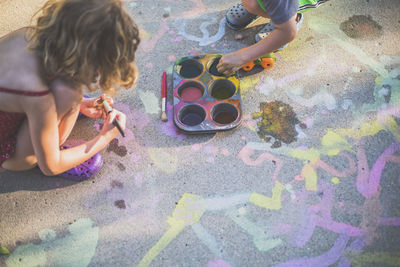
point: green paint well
(222, 93)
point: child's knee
(251, 6)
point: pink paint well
(191, 93)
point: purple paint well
(192, 119)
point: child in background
(75, 45)
(286, 17)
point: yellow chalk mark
(234, 80)
(271, 203)
(248, 83)
(188, 211)
(310, 176)
(378, 258)
(333, 143)
(165, 161)
(170, 235)
(367, 129)
(335, 180)
(311, 154)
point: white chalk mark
(261, 239)
(221, 203)
(208, 240)
(206, 39)
(321, 98)
(150, 102)
(300, 133)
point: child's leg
(24, 157)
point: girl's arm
(43, 127)
(281, 35)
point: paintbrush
(108, 109)
(164, 97)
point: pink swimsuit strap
(22, 92)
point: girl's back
(18, 71)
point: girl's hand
(231, 62)
(108, 128)
(89, 109)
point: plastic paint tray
(204, 102)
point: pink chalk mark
(218, 263)
(225, 152)
(299, 177)
(148, 45)
(329, 169)
(309, 122)
(171, 58)
(246, 153)
(196, 147)
(194, 53)
(210, 149)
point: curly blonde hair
(86, 42)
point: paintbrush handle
(164, 97)
(115, 122)
(164, 85)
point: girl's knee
(252, 6)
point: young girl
(75, 45)
(286, 17)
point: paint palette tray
(204, 100)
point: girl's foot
(269, 27)
(237, 17)
(84, 170)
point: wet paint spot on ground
(278, 120)
(117, 184)
(361, 27)
(120, 204)
(119, 150)
(121, 166)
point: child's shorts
(9, 125)
(305, 5)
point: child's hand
(230, 63)
(108, 127)
(89, 109)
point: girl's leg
(24, 157)
(253, 7)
